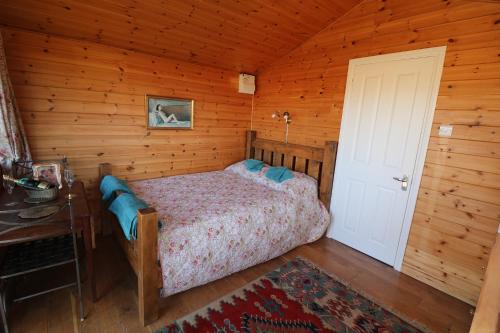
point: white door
(386, 122)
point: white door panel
(382, 125)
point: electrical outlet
(445, 131)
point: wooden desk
(59, 224)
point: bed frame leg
(147, 231)
(105, 169)
(329, 156)
(250, 150)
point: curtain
(13, 141)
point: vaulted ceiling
(243, 35)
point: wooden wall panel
(237, 35)
(86, 101)
(458, 208)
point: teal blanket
(254, 165)
(125, 208)
(109, 184)
(279, 174)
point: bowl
(42, 195)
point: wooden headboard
(318, 163)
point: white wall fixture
(445, 130)
(286, 117)
(246, 84)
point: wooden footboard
(141, 254)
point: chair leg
(3, 311)
(78, 278)
(77, 262)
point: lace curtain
(13, 142)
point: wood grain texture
(86, 101)
(237, 35)
(319, 163)
(115, 311)
(487, 315)
(458, 208)
(147, 275)
(141, 252)
(327, 172)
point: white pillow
(300, 185)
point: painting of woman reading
(166, 112)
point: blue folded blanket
(109, 184)
(279, 174)
(254, 165)
(125, 208)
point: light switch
(445, 130)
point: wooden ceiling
(243, 35)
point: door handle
(403, 181)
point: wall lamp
(287, 118)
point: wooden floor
(116, 311)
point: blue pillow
(254, 165)
(279, 174)
(109, 184)
(125, 208)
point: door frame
(439, 54)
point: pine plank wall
(458, 207)
(86, 100)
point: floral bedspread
(217, 223)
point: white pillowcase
(300, 185)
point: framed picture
(169, 112)
(49, 172)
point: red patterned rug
(295, 298)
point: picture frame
(169, 113)
(49, 172)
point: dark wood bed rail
(316, 162)
(141, 253)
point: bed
(217, 223)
